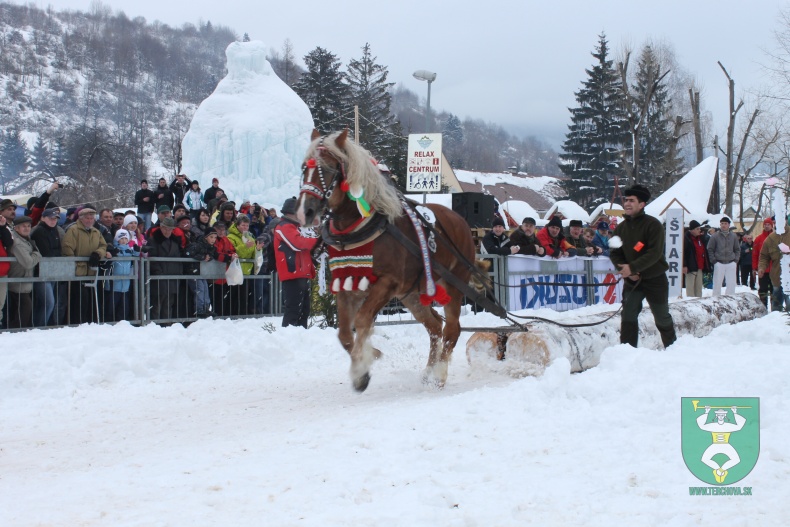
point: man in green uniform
(643, 265)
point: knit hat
(497, 221)
(603, 226)
(19, 220)
(162, 208)
(725, 219)
(693, 224)
(576, 223)
(129, 218)
(167, 222)
(528, 221)
(122, 233)
(210, 230)
(215, 180)
(289, 206)
(51, 213)
(639, 192)
(555, 221)
(768, 220)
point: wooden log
(529, 353)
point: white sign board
(673, 248)
(529, 276)
(424, 172)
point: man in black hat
(641, 261)
(553, 240)
(525, 239)
(724, 249)
(497, 242)
(695, 259)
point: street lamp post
(429, 77)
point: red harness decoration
(351, 269)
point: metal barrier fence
(142, 295)
(135, 290)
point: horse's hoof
(377, 354)
(361, 383)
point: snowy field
(225, 424)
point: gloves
(94, 259)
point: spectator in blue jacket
(601, 238)
(118, 303)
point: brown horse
(336, 171)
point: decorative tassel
(363, 284)
(441, 297)
(336, 285)
(348, 285)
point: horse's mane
(379, 193)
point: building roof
(503, 192)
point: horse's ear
(315, 135)
(340, 142)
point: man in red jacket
(765, 289)
(294, 266)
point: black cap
(576, 223)
(555, 221)
(497, 221)
(693, 224)
(51, 213)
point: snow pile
(251, 133)
(519, 210)
(224, 423)
(570, 209)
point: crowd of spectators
(173, 220)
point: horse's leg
(347, 305)
(362, 352)
(451, 332)
(429, 318)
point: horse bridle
(324, 192)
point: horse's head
(322, 172)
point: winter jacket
(193, 200)
(38, 208)
(292, 251)
(770, 255)
(643, 246)
(27, 258)
(494, 244)
(211, 193)
(225, 252)
(163, 196)
(602, 242)
(48, 240)
(694, 250)
(746, 254)
(179, 190)
(145, 207)
(244, 252)
(6, 242)
(125, 268)
(526, 244)
(724, 247)
(198, 250)
(162, 247)
(198, 229)
(758, 245)
(79, 241)
(555, 246)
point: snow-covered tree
(39, 157)
(13, 157)
(592, 149)
(324, 89)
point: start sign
(424, 173)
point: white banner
(528, 276)
(424, 172)
(673, 249)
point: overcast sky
(515, 63)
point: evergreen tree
(39, 158)
(323, 88)
(246, 37)
(370, 92)
(13, 157)
(655, 161)
(597, 134)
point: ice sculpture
(251, 133)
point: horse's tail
(480, 281)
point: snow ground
(224, 423)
